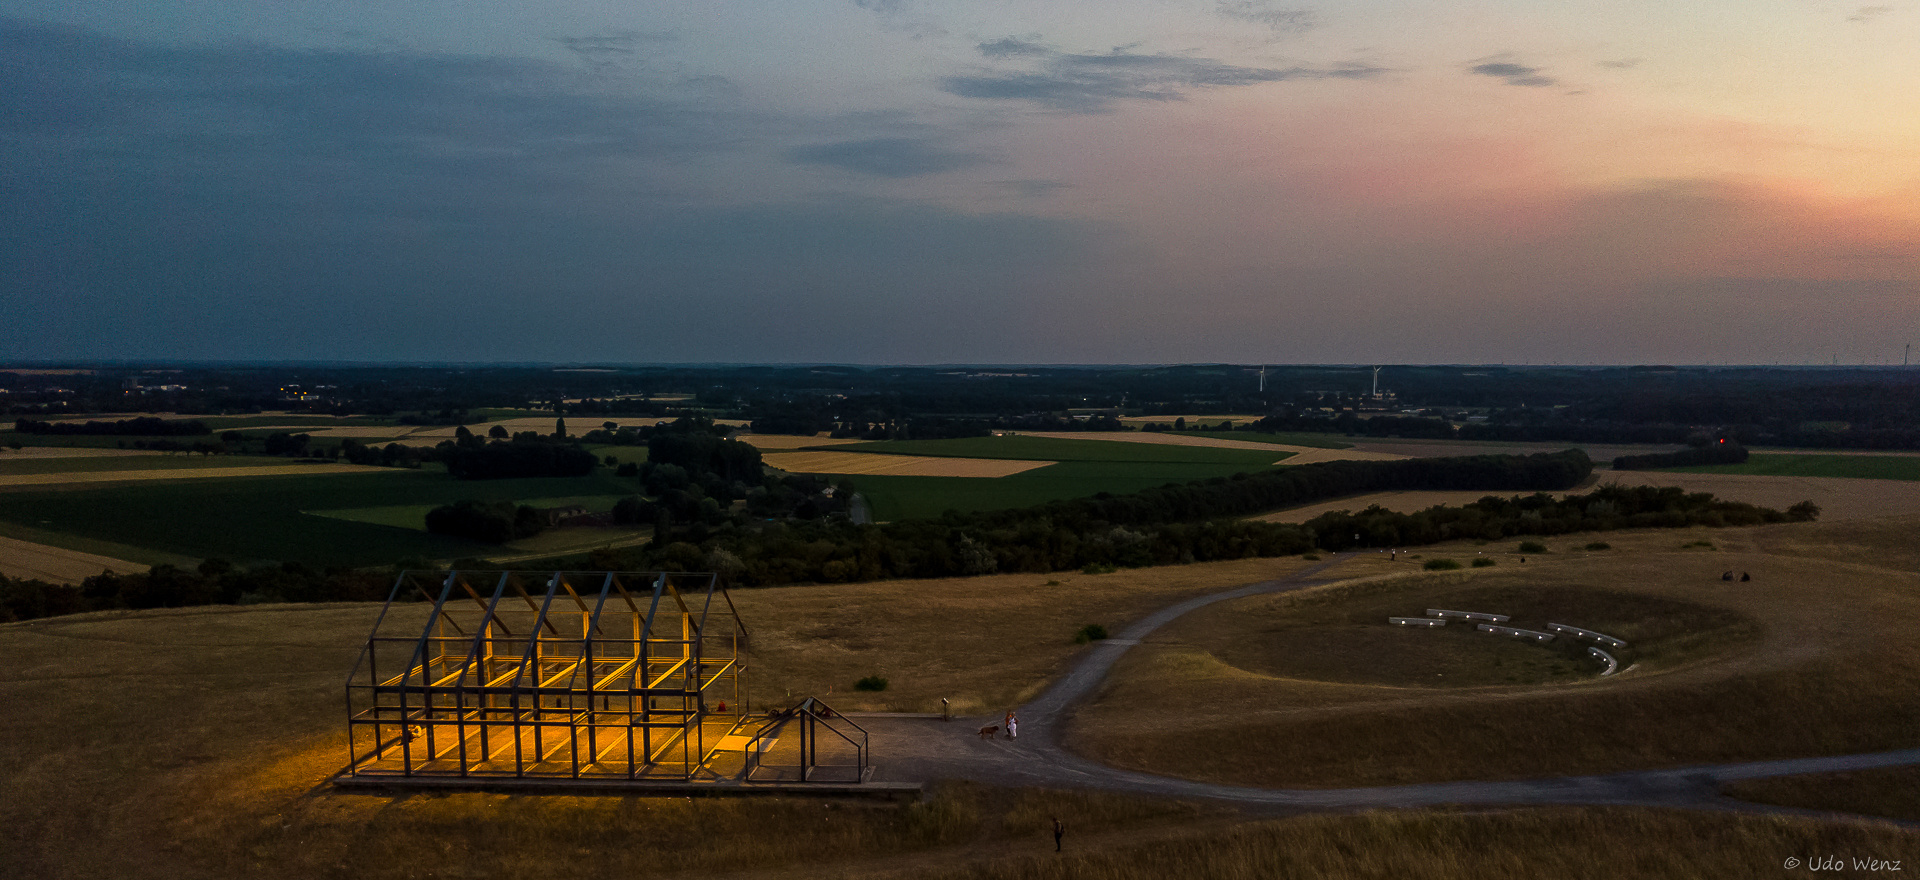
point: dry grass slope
(193, 743)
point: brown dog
(989, 732)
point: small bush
(1478, 561)
(1440, 565)
(1098, 568)
(871, 683)
(1599, 545)
(1532, 547)
(1705, 545)
(1310, 557)
(1092, 632)
(1053, 583)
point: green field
(154, 462)
(1874, 467)
(1054, 449)
(272, 518)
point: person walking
(1059, 830)
(1013, 726)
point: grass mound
(1344, 637)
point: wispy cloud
(1261, 12)
(1869, 13)
(1013, 47)
(903, 17)
(1514, 74)
(1032, 189)
(1621, 64)
(600, 50)
(885, 157)
(1092, 82)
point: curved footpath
(919, 749)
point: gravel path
(922, 749)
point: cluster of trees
(1491, 518)
(527, 455)
(144, 426)
(490, 522)
(1720, 451)
(705, 453)
(390, 455)
(216, 581)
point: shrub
(1440, 565)
(1092, 632)
(1532, 547)
(1098, 568)
(1310, 557)
(871, 683)
(1599, 545)
(1705, 545)
(1478, 561)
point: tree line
(144, 426)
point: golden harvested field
(25, 559)
(1836, 669)
(542, 424)
(792, 441)
(181, 474)
(895, 465)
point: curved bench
(1467, 615)
(1416, 621)
(1612, 664)
(1579, 633)
(1516, 632)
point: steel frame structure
(558, 675)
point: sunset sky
(903, 181)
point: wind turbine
(1376, 383)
